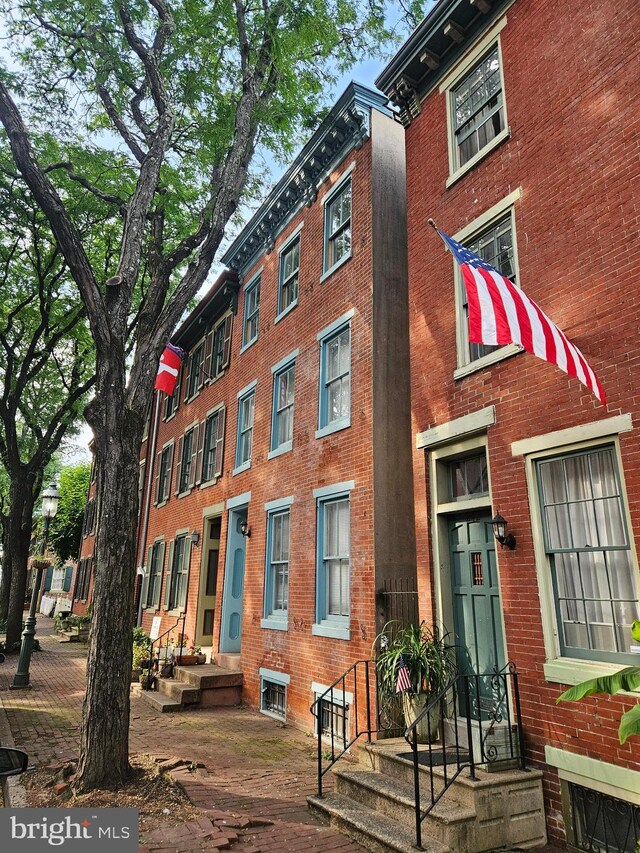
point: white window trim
(280, 678)
(274, 675)
(278, 451)
(247, 389)
(279, 503)
(286, 311)
(245, 346)
(458, 428)
(295, 234)
(165, 446)
(620, 782)
(239, 501)
(333, 327)
(327, 491)
(327, 332)
(558, 668)
(336, 697)
(479, 224)
(451, 80)
(335, 189)
(333, 628)
(285, 361)
(201, 343)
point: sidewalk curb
(15, 793)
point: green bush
(141, 638)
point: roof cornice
(433, 48)
(222, 293)
(346, 127)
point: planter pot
(187, 660)
(412, 707)
(200, 658)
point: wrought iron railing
(478, 717)
(153, 664)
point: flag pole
(151, 458)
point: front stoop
(205, 685)
(498, 810)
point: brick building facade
(277, 511)
(528, 113)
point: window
(478, 108)
(89, 523)
(335, 380)
(186, 467)
(602, 823)
(164, 467)
(244, 442)
(153, 576)
(333, 571)
(251, 312)
(176, 582)
(218, 351)
(83, 579)
(57, 580)
(273, 693)
(588, 553)
(289, 270)
(468, 477)
(333, 714)
(283, 396)
(337, 227)
(276, 603)
(195, 377)
(496, 245)
(171, 403)
(213, 446)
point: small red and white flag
(168, 369)
(403, 681)
(500, 313)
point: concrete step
(372, 830)
(158, 701)
(448, 822)
(179, 691)
(208, 675)
(227, 661)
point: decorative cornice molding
(345, 128)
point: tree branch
(112, 199)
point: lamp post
(50, 500)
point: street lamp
(50, 500)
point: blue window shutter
(48, 578)
(67, 578)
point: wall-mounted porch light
(500, 532)
(195, 538)
(244, 528)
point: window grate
(274, 698)
(603, 824)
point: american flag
(168, 369)
(403, 681)
(500, 313)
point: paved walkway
(251, 793)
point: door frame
(235, 507)
(208, 513)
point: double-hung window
(588, 552)
(337, 227)
(289, 272)
(153, 577)
(177, 577)
(172, 402)
(333, 580)
(163, 476)
(244, 438)
(276, 587)
(283, 400)
(213, 445)
(477, 106)
(195, 378)
(335, 378)
(186, 462)
(251, 312)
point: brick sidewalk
(257, 772)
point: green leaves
(627, 679)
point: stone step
(179, 691)
(448, 822)
(228, 661)
(215, 696)
(208, 675)
(372, 830)
(161, 703)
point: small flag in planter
(403, 682)
(170, 362)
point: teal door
(231, 622)
(477, 612)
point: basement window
(273, 695)
(601, 823)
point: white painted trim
(239, 500)
(328, 273)
(466, 425)
(620, 782)
(335, 632)
(214, 509)
(287, 447)
(247, 389)
(497, 140)
(278, 503)
(338, 184)
(214, 410)
(326, 491)
(574, 670)
(337, 696)
(333, 327)
(487, 360)
(244, 467)
(285, 361)
(286, 311)
(271, 623)
(273, 675)
(495, 212)
(573, 435)
(334, 426)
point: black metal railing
(153, 663)
(475, 720)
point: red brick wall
(342, 456)
(570, 72)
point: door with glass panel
(208, 581)
(233, 592)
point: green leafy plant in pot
(430, 664)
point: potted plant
(430, 666)
(196, 651)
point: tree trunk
(104, 743)
(5, 578)
(18, 538)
